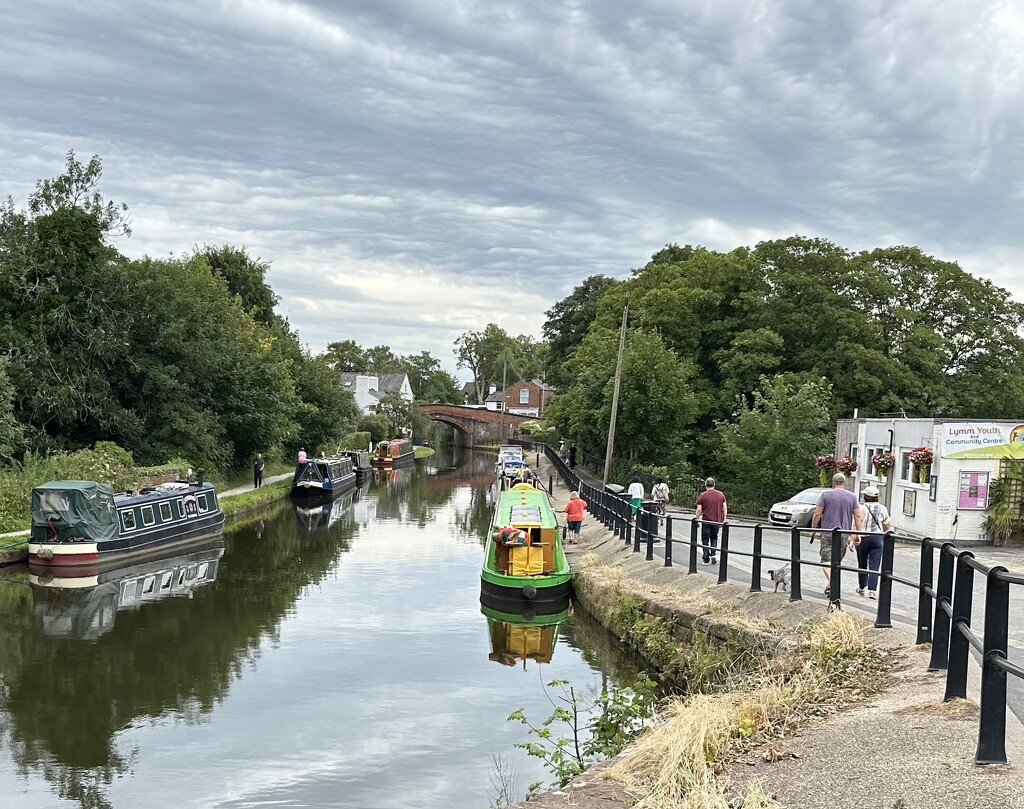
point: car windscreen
(807, 497)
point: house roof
(497, 396)
(542, 385)
(387, 383)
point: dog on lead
(780, 578)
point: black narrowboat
(360, 462)
(323, 477)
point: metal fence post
(668, 541)
(723, 555)
(835, 575)
(924, 599)
(943, 596)
(992, 727)
(755, 566)
(629, 529)
(795, 569)
(693, 546)
(650, 518)
(883, 618)
(638, 520)
(959, 646)
(551, 484)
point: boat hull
(316, 490)
(509, 594)
(100, 555)
(394, 463)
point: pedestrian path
(248, 487)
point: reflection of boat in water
(71, 604)
(523, 556)
(320, 514)
(520, 636)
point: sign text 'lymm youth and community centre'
(982, 439)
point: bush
(358, 440)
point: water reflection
(519, 637)
(73, 604)
(333, 659)
(320, 514)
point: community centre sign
(982, 440)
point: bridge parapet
(476, 425)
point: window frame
(166, 504)
(524, 396)
(124, 514)
(152, 516)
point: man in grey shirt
(837, 508)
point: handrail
(945, 602)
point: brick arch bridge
(475, 425)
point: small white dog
(781, 578)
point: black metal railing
(944, 605)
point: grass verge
(677, 762)
(423, 452)
(246, 502)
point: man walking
(837, 508)
(712, 509)
(257, 471)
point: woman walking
(875, 522)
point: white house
(369, 388)
(947, 499)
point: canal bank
(823, 712)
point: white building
(948, 499)
(369, 388)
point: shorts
(635, 504)
(574, 526)
(824, 540)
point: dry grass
(676, 763)
(962, 709)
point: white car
(797, 510)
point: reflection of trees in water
(64, 701)
(600, 648)
(474, 522)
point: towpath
(904, 748)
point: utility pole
(504, 375)
(615, 394)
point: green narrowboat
(523, 556)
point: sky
(414, 169)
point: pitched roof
(542, 385)
(386, 383)
(497, 396)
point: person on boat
(257, 471)
(524, 475)
(302, 455)
(509, 535)
(574, 517)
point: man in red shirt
(711, 508)
(574, 516)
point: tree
(489, 354)
(773, 442)
(346, 357)
(398, 411)
(245, 277)
(377, 425)
(325, 409)
(567, 324)
(10, 430)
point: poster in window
(909, 501)
(973, 491)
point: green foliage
(10, 431)
(377, 425)
(650, 635)
(567, 324)
(774, 441)
(583, 729)
(1004, 516)
(359, 440)
(326, 410)
(245, 277)
(398, 411)
(495, 357)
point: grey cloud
(537, 141)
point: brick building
(528, 398)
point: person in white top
(660, 494)
(875, 521)
(636, 495)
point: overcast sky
(416, 168)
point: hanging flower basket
(921, 458)
(846, 465)
(883, 462)
(825, 464)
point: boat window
(148, 585)
(165, 581)
(204, 568)
(128, 520)
(203, 505)
(181, 577)
(190, 572)
(181, 506)
(335, 471)
(165, 512)
(128, 593)
(148, 517)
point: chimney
(493, 388)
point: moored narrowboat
(323, 477)
(83, 523)
(523, 556)
(394, 453)
(360, 462)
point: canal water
(333, 657)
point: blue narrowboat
(82, 523)
(323, 477)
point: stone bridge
(475, 425)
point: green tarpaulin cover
(84, 507)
